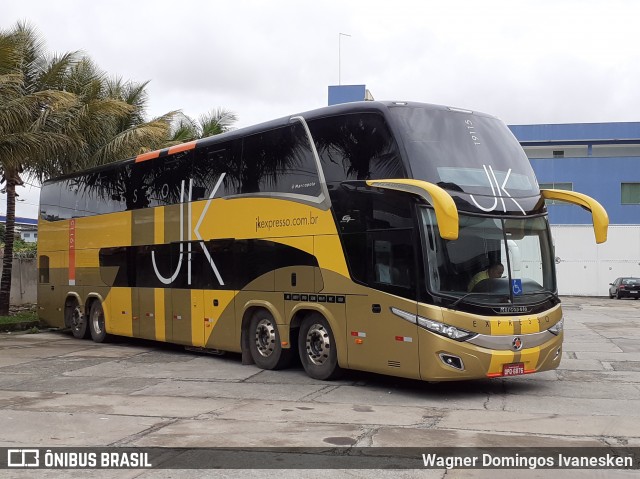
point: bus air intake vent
(393, 364)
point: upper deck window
(356, 146)
(280, 161)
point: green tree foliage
(216, 121)
(35, 123)
(61, 113)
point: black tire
(317, 348)
(76, 319)
(618, 295)
(96, 323)
(264, 342)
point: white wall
(586, 269)
(24, 281)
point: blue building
(348, 93)
(601, 160)
(27, 228)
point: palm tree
(132, 134)
(57, 115)
(60, 114)
(217, 121)
(34, 122)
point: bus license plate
(512, 369)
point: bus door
(152, 319)
(51, 294)
(187, 296)
(150, 302)
(144, 324)
(187, 318)
(382, 334)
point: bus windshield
(463, 152)
(494, 260)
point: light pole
(340, 35)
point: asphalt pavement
(59, 391)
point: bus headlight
(445, 329)
(558, 327)
(434, 326)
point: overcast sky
(556, 61)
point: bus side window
(355, 248)
(279, 161)
(356, 147)
(96, 192)
(393, 262)
(211, 162)
(49, 201)
(43, 270)
(390, 241)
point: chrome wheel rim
(77, 319)
(318, 344)
(265, 337)
(97, 321)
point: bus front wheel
(264, 342)
(96, 323)
(317, 348)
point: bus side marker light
(404, 339)
(285, 343)
(359, 341)
(209, 322)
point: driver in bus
(495, 270)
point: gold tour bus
(400, 238)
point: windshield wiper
(552, 294)
(541, 291)
(461, 298)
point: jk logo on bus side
(196, 231)
(497, 189)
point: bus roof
(344, 108)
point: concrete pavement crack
(316, 394)
(126, 441)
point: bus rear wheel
(75, 319)
(264, 342)
(96, 323)
(317, 348)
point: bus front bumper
(444, 359)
